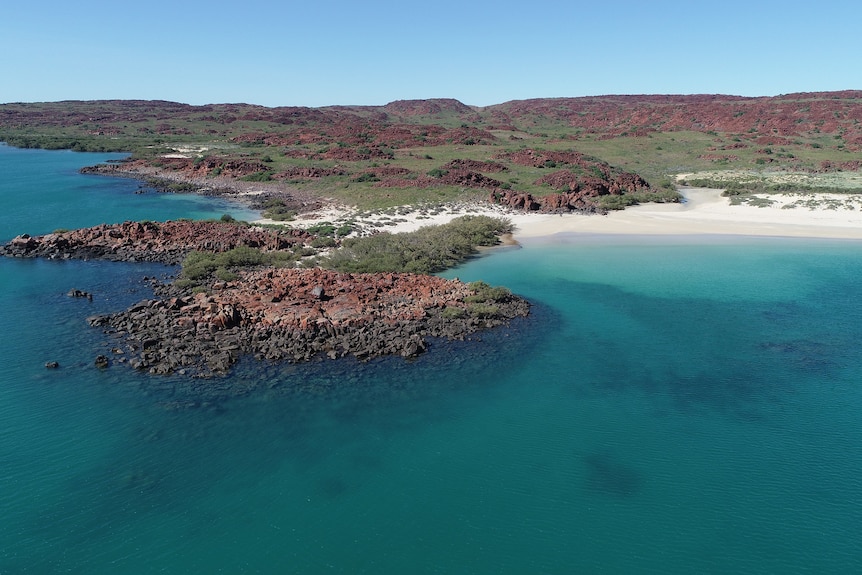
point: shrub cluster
(484, 293)
(428, 250)
(263, 176)
(621, 202)
(199, 265)
(482, 303)
(277, 209)
(762, 186)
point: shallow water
(671, 406)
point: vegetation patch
(198, 266)
(427, 250)
(484, 293)
(741, 182)
(277, 209)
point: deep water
(674, 405)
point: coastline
(704, 211)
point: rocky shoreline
(278, 314)
(163, 242)
(293, 315)
(179, 176)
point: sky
(339, 52)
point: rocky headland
(270, 313)
(165, 242)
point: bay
(672, 405)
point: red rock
(150, 241)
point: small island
(251, 291)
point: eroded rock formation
(297, 314)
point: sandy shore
(704, 212)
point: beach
(703, 211)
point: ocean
(672, 405)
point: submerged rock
(76, 293)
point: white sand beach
(703, 212)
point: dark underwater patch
(609, 476)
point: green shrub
(263, 176)
(185, 283)
(614, 202)
(225, 274)
(483, 293)
(367, 177)
(482, 310)
(322, 229)
(344, 230)
(323, 242)
(427, 250)
(451, 312)
(199, 265)
(277, 209)
(304, 252)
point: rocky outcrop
(167, 242)
(185, 175)
(849, 166)
(579, 201)
(578, 184)
(287, 314)
(591, 186)
(296, 314)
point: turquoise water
(42, 191)
(683, 405)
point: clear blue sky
(325, 52)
